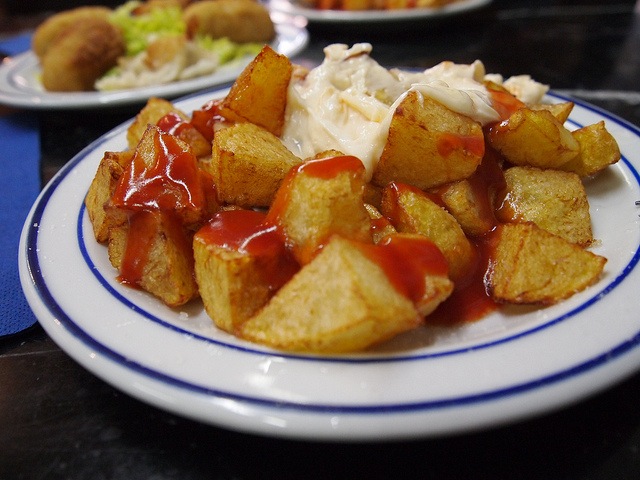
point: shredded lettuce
(139, 30)
(227, 50)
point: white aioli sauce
(348, 101)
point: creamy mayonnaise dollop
(347, 102)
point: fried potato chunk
(57, 26)
(380, 225)
(102, 186)
(532, 266)
(429, 145)
(559, 110)
(82, 55)
(248, 165)
(598, 150)
(163, 263)
(240, 262)
(339, 302)
(318, 199)
(412, 211)
(554, 200)
(534, 138)
(152, 112)
(241, 21)
(259, 94)
(468, 206)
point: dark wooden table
(57, 421)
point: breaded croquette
(56, 26)
(82, 55)
(239, 20)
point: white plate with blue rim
(511, 365)
(20, 84)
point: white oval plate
(506, 367)
(20, 84)
(375, 16)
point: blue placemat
(19, 187)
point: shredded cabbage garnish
(227, 50)
(139, 30)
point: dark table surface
(59, 421)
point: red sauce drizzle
(407, 261)
(449, 142)
(168, 190)
(247, 231)
(173, 124)
(469, 300)
(207, 117)
(170, 182)
(505, 103)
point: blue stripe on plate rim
(68, 323)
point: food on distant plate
(329, 210)
(374, 4)
(152, 43)
(240, 21)
(87, 50)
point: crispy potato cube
(318, 199)
(532, 266)
(559, 110)
(468, 206)
(239, 265)
(534, 138)
(554, 200)
(152, 112)
(248, 165)
(412, 211)
(341, 301)
(429, 145)
(380, 225)
(259, 95)
(154, 253)
(598, 150)
(102, 186)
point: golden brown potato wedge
(412, 211)
(534, 138)
(318, 199)
(429, 145)
(598, 150)
(239, 264)
(153, 252)
(469, 206)
(552, 199)
(259, 95)
(102, 186)
(380, 225)
(341, 301)
(248, 165)
(152, 112)
(559, 110)
(532, 266)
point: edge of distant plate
(376, 16)
(16, 90)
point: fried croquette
(239, 20)
(56, 26)
(82, 55)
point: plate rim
(60, 325)
(375, 16)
